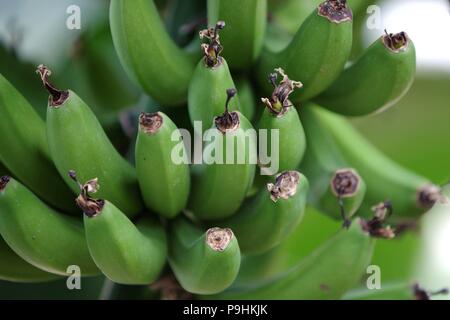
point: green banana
(337, 189)
(246, 97)
(24, 150)
(77, 141)
(327, 273)
(410, 194)
(210, 80)
(125, 253)
(203, 262)
(164, 183)
(279, 116)
(41, 236)
(265, 220)
(221, 183)
(318, 52)
(247, 24)
(384, 74)
(148, 53)
(15, 269)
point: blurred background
(415, 133)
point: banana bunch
(273, 142)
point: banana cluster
(204, 222)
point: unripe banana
(125, 253)
(41, 236)
(148, 53)
(210, 80)
(327, 273)
(247, 25)
(337, 189)
(24, 150)
(77, 142)
(14, 268)
(221, 183)
(375, 82)
(409, 193)
(318, 52)
(280, 116)
(265, 220)
(164, 183)
(203, 262)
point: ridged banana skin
(246, 25)
(207, 93)
(78, 142)
(315, 56)
(147, 52)
(24, 150)
(320, 163)
(164, 185)
(292, 140)
(261, 224)
(197, 267)
(126, 253)
(327, 273)
(41, 236)
(15, 269)
(385, 179)
(219, 189)
(375, 82)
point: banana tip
(150, 123)
(218, 239)
(336, 11)
(285, 185)
(345, 182)
(57, 97)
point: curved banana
(265, 220)
(281, 118)
(337, 189)
(203, 262)
(318, 52)
(148, 53)
(77, 142)
(221, 183)
(210, 80)
(125, 253)
(41, 236)
(385, 72)
(164, 183)
(327, 273)
(247, 25)
(409, 193)
(24, 150)
(13, 268)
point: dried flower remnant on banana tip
(4, 180)
(376, 226)
(57, 97)
(279, 102)
(90, 206)
(428, 195)
(150, 122)
(228, 121)
(285, 185)
(397, 42)
(344, 184)
(336, 11)
(218, 239)
(212, 49)
(422, 294)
